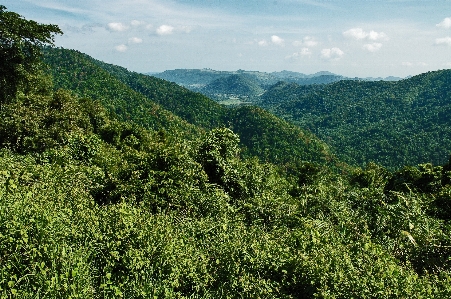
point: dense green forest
(114, 185)
(160, 105)
(391, 123)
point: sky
(361, 38)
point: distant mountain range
(237, 87)
(199, 78)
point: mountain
(196, 79)
(285, 92)
(133, 194)
(392, 123)
(191, 78)
(161, 105)
(233, 85)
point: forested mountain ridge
(110, 85)
(96, 206)
(392, 123)
(233, 85)
(158, 104)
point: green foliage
(160, 105)
(218, 155)
(77, 72)
(275, 140)
(20, 42)
(95, 207)
(391, 123)
(425, 178)
(237, 85)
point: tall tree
(20, 47)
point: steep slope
(286, 92)
(124, 90)
(158, 104)
(391, 123)
(77, 72)
(275, 140)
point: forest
(115, 184)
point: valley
(117, 184)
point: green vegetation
(234, 85)
(391, 123)
(94, 203)
(20, 42)
(159, 105)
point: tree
(21, 41)
(219, 156)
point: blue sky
(352, 38)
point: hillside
(233, 86)
(391, 123)
(142, 99)
(95, 204)
(158, 104)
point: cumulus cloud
(307, 41)
(136, 23)
(305, 52)
(117, 27)
(332, 54)
(121, 48)
(356, 33)
(373, 35)
(263, 43)
(446, 23)
(297, 55)
(443, 41)
(360, 34)
(165, 30)
(373, 47)
(135, 40)
(277, 40)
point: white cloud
(373, 35)
(305, 52)
(165, 30)
(277, 40)
(263, 43)
(332, 54)
(307, 41)
(302, 53)
(373, 47)
(135, 40)
(136, 23)
(360, 34)
(446, 23)
(356, 33)
(407, 63)
(443, 41)
(117, 27)
(121, 48)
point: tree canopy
(20, 44)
